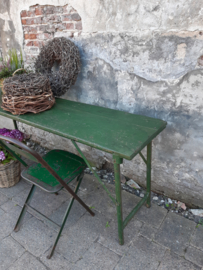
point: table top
(112, 131)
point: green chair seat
(65, 164)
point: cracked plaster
(142, 58)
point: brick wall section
(41, 23)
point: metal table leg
(149, 159)
(117, 161)
(15, 124)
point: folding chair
(52, 172)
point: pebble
(197, 212)
(170, 201)
(155, 198)
(141, 195)
(132, 184)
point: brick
(38, 20)
(29, 21)
(60, 27)
(24, 21)
(40, 36)
(45, 19)
(30, 13)
(78, 26)
(49, 10)
(69, 26)
(30, 43)
(30, 36)
(75, 17)
(29, 29)
(58, 10)
(38, 11)
(66, 17)
(54, 18)
(23, 13)
(33, 36)
(42, 28)
(44, 36)
(38, 43)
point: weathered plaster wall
(141, 57)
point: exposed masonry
(40, 23)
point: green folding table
(119, 133)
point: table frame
(117, 161)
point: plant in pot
(9, 165)
(12, 62)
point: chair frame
(23, 150)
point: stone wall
(138, 56)
(42, 23)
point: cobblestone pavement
(154, 239)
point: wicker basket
(9, 174)
(27, 93)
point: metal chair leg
(24, 209)
(79, 180)
(149, 159)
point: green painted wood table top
(112, 131)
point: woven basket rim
(3, 166)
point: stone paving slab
(175, 233)
(3, 198)
(79, 238)
(154, 238)
(101, 202)
(89, 184)
(175, 262)
(148, 231)
(143, 254)
(77, 211)
(57, 262)
(12, 191)
(9, 218)
(194, 255)
(43, 201)
(28, 262)
(197, 238)
(35, 236)
(153, 215)
(10, 251)
(98, 258)
(109, 237)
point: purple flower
(15, 134)
(8, 134)
(2, 156)
(3, 130)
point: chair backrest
(15, 147)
